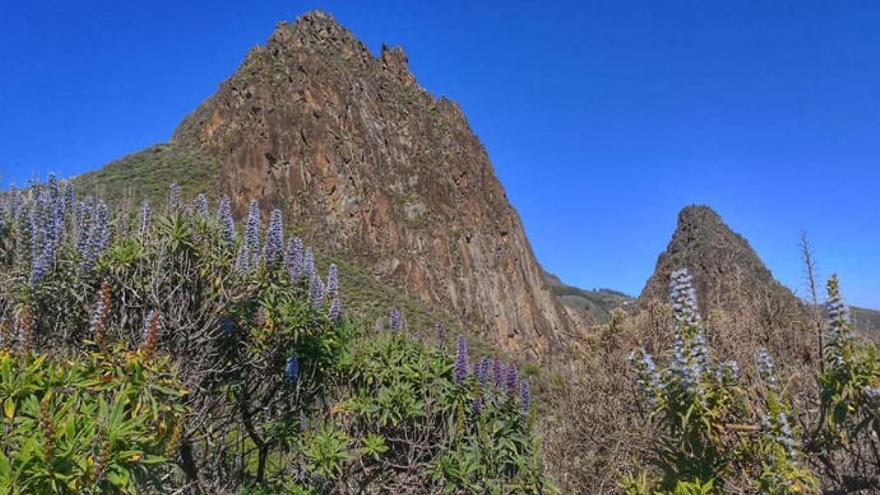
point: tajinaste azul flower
(839, 326)
(497, 372)
(274, 238)
(512, 380)
(777, 429)
(478, 405)
(35, 229)
(69, 197)
(293, 259)
(395, 320)
(145, 217)
(309, 263)
(84, 212)
(148, 323)
(728, 373)
(96, 321)
(684, 298)
(252, 234)
(174, 196)
(525, 396)
(242, 259)
(97, 238)
(291, 369)
(461, 361)
(202, 206)
(681, 372)
(41, 264)
(224, 218)
(316, 292)
(690, 353)
(55, 213)
(646, 370)
(699, 351)
(102, 227)
(438, 329)
(335, 313)
(483, 371)
(765, 367)
(333, 280)
(44, 224)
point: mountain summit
(375, 169)
(727, 272)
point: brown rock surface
(368, 164)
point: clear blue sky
(603, 119)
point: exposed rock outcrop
(372, 166)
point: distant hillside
(867, 320)
(598, 303)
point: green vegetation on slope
(146, 175)
(599, 303)
(286, 390)
(99, 423)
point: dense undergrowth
(717, 433)
(752, 414)
(164, 350)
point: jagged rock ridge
(369, 164)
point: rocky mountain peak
(375, 168)
(314, 27)
(723, 264)
(395, 62)
(698, 214)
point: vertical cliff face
(368, 164)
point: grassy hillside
(598, 303)
(146, 175)
(867, 320)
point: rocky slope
(377, 170)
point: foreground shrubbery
(247, 376)
(716, 432)
(103, 423)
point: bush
(288, 393)
(459, 426)
(715, 433)
(103, 423)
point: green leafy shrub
(708, 436)
(472, 434)
(103, 423)
(289, 392)
(716, 433)
(848, 422)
